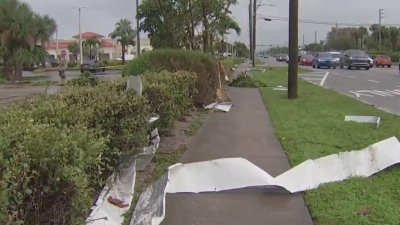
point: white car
(336, 56)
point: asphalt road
(378, 86)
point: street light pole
(251, 30)
(80, 37)
(380, 30)
(137, 30)
(293, 48)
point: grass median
(313, 126)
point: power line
(330, 23)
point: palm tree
(125, 35)
(91, 43)
(46, 27)
(18, 32)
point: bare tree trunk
(123, 54)
(191, 30)
(206, 31)
(42, 43)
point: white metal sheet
(364, 119)
(216, 175)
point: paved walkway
(245, 131)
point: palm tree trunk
(42, 43)
(206, 35)
(123, 54)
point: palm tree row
(21, 30)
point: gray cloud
(101, 15)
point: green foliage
(395, 56)
(84, 79)
(72, 64)
(20, 30)
(124, 34)
(241, 50)
(73, 48)
(203, 65)
(230, 62)
(47, 169)
(113, 63)
(170, 95)
(187, 24)
(56, 151)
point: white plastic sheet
(364, 119)
(235, 173)
(122, 188)
(223, 106)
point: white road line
(324, 79)
(373, 81)
(311, 75)
(358, 95)
(371, 92)
(383, 92)
(351, 76)
(311, 78)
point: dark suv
(354, 59)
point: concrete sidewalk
(247, 132)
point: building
(108, 49)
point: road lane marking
(395, 92)
(324, 79)
(358, 95)
(311, 78)
(373, 81)
(383, 92)
(371, 92)
(351, 76)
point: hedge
(204, 65)
(57, 151)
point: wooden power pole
(254, 31)
(293, 48)
(251, 30)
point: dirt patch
(170, 152)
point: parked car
(306, 60)
(92, 66)
(324, 59)
(383, 60)
(282, 57)
(336, 56)
(354, 59)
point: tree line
(360, 38)
(189, 24)
(21, 30)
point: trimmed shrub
(113, 63)
(84, 79)
(170, 95)
(72, 64)
(173, 60)
(48, 173)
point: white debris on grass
(364, 119)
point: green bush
(48, 173)
(173, 60)
(56, 151)
(232, 61)
(246, 81)
(72, 64)
(84, 79)
(170, 95)
(113, 63)
(395, 56)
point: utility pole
(304, 44)
(57, 44)
(137, 30)
(251, 30)
(293, 48)
(316, 39)
(380, 30)
(254, 31)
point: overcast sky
(100, 16)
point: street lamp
(253, 43)
(80, 35)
